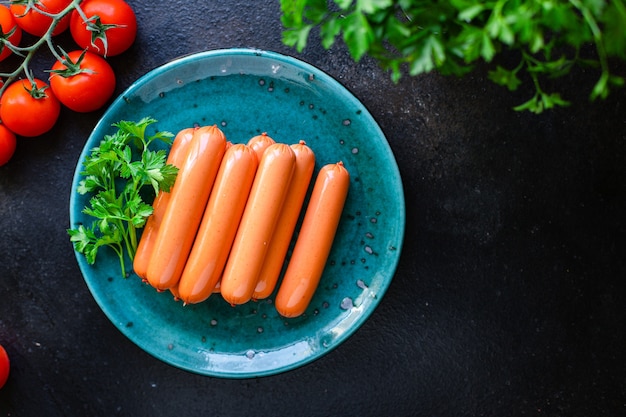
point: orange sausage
(174, 292)
(187, 202)
(314, 241)
(290, 212)
(260, 143)
(176, 157)
(257, 223)
(174, 289)
(219, 224)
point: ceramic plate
(246, 92)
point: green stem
(81, 13)
(127, 242)
(132, 231)
(528, 61)
(597, 37)
(53, 50)
(120, 253)
(30, 50)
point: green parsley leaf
(451, 36)
(507, 78)
(116, 173)
(358, 34)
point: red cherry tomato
(36, 23)
(29, 110)
(7, 144)
(4, 366)
(110, 29)
(83, 81)
(8, 24)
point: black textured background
(508, 299)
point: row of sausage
(228, 222)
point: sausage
(174, 292)
(260, 143)
(290, 212)
(257, 223)
(314, 241)
(219, 224)
(176, 157)
(186, 207)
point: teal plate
(246, 92)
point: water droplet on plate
(346, 303)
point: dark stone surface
(509, 296)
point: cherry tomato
(83, 81)
(4, 366)
(29, 110)
(36, 23)
(111, 27)
(8, 24)
(7, 145)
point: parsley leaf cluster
(122, 174)
(449, 36)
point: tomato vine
(27, 52)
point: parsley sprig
(122, 174)
(418, 36)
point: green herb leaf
(507, 78)
(469, 13)
(329, 31)
(431, 55)
(358, 35)
(115, 174)
(372, 6)
(450, 37)
(615, 34)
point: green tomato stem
(30, 50)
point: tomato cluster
(81, 80)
